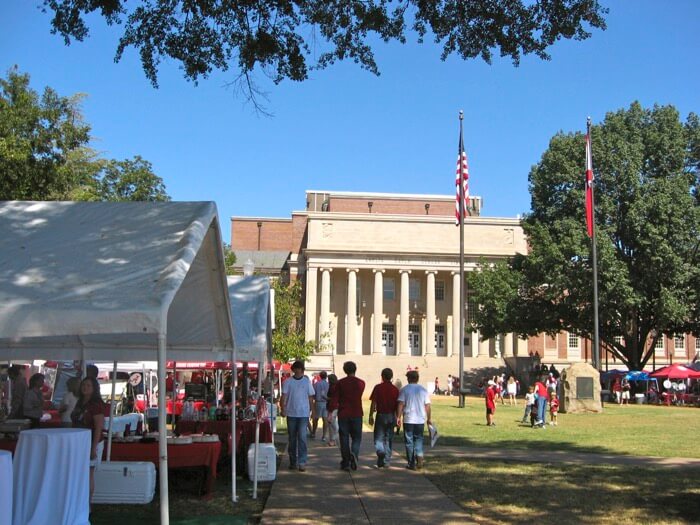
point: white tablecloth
(120, 422)
(5, 487)
(52, 477)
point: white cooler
(267, 461)
(125, 482)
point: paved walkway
(326, 494)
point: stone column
(324, 331)
(404, 348)
(508, 345)
(456, 315)
(473, 344)
(484, 348)
(311, 298)
(352, 311)
(430, 313)
(378, 311)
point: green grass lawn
(507, 492)
(642, 430)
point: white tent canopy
(114, 281)
(101, 280)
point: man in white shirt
(296, 404)
(414, 409)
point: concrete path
(327, 494)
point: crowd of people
(542, 397)
(337, 403)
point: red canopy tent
(676, 371)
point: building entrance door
(414, 339)
(388, 339)
(440, 340)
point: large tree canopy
(281, 36)
(44, 153)
(648, 232)
(38, 136)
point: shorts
(100, 450)
(321, 409)
(625, 394)
(490, 411)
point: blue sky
(345, 129)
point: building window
(659, 343)
(697, 344)
(574, 341)
(439, 290)
(679, 344)
(389, 289)
(472, 307)
(413, 290)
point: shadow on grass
(509, 492)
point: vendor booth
(107, 281)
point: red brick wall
(275, 235)
(298, 232)
(391, 206)
(535, 344)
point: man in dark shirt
(384, 399)
(349, 391)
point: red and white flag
(589, 185)
(463, 175)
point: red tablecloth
(245, 434)
(194, 455)
(8, 444)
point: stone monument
(580, 389)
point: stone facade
(580, 389)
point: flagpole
(462, 309)
(596, 336)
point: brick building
(381, 280)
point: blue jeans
(384, 435)
(541, 404)
(413, 437)
(349, 428)
(296, 428)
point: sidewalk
(326, 494)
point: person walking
(490, 398)
(541, 398)
(296, 404)
(529, 406)
(349, 391)
(332, 409)
(384, 399)
(414, 409)
(320, 401)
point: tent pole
(111, 412)
(173, 411)
(162, 434)
(257, 434)
(234, 413)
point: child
(529, 406)
(553, 408)
(332, 410)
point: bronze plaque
(584, 388)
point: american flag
(462, 173)
(589, 186)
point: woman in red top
(490, 395)
(89, 413)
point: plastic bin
(640, 399)
(267, 461)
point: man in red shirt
(384, 400)
(490, 395)
(349, 391)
